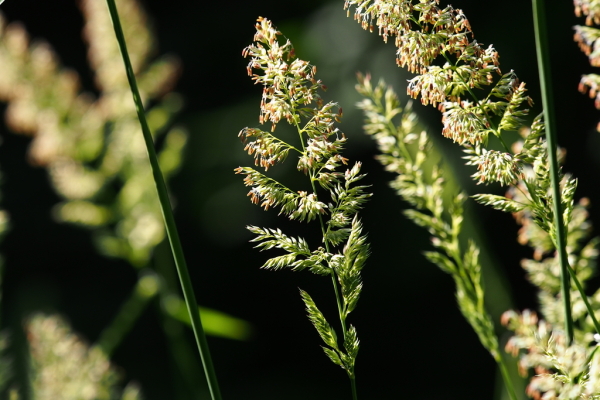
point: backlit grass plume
(479, 105)
(291, 93)
(563, 369)
(477, 101)
(406, 151)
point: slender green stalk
(353, 384)
(588, 306)
(165, 204)
(144, 290)
(543, 57)
(506, 377)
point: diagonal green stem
(144, 291)
(506, 378)
(165, 204)
(585, 299)
(543, 57)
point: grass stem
(130, 311)
(506, 378)
(165, 204)
(543, 58)
(585, 299)
(354, 393)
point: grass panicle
(479, 103)
(291, 93)
(406, 151)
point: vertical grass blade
(543, 58)
(165, 204)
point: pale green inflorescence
(96, 160)
(291, 93)
(64, 367)
(406, 151)
(472, 116)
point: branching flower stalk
(477, 102)
(406, 151)
(291, 93)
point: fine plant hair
(291, 93)
(476, 107)
(406, 151)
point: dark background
(414, 342)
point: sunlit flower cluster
(588, 8)
(494, 166)
(288, 82)
(453, 71)
(562, 370)
(588, 39)
(291, 94)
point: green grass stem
(144, 291)
(585, 299)
(165, 204)
(508, 384)
(543, 58)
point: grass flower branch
(468, 66)
(406, 151)
(291, 93)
